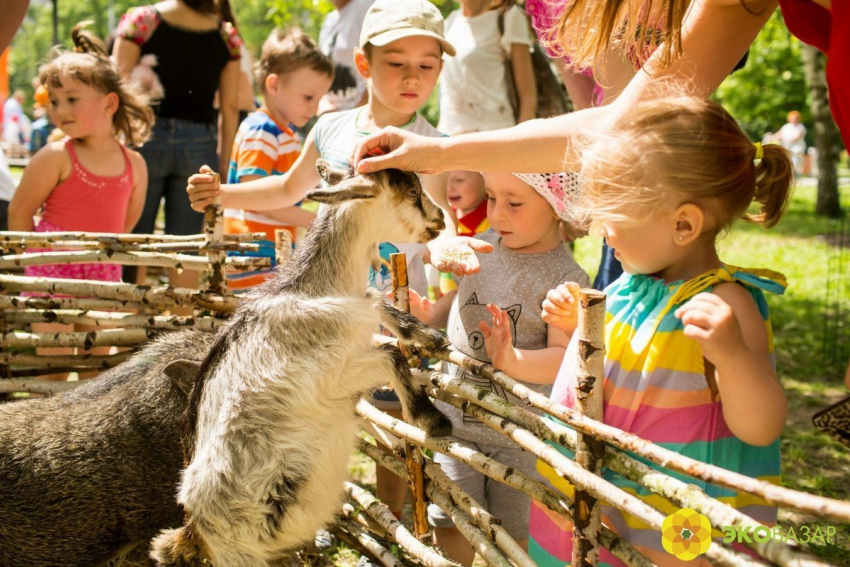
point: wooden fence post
(589, 451)
(412, 456)
(282, 246)
(214, 233)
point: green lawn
(812, 342)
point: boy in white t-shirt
(339, 37)
(400, 56)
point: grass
(812, 344)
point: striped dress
(656, 388)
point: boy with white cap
(400, 55)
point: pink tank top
(89, 202)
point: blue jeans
(177, 149)
(609, 269)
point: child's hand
(203, 188)
(709, 321)
(560, 308)
(498, 341)
(457, 254)
(420, 307)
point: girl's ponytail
(774, 177)
(87, 42)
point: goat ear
(328, 173)
(184, 373)
(342, 193)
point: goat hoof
(429, 339)
(435, 424)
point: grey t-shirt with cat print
(517, 283)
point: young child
(400, 55)
(525, 211)
(294, 75)
(467, 198)
(689, 354)
(89, 181)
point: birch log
(159, 259)
(405, 539)
(214, 234)
(81, 361)
(818, 506)
(110, 319)
(85, 340)
(158, 296)
(589, 451)
(682, 494)
(282, 246)
(38, 386)
(556, 502)
(20, 239)
(413, 457)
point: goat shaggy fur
(271, 420)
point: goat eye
(414, 192)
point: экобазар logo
(686, 534)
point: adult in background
(792, 136)
(474, 85)
(339, 37)
(691, 54)
(197, 54)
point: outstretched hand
(420, 307)
(457, 254)
(399, 149)
(203, 188)
(498, 339)
(560, 308)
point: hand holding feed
(498, 339)
(457, 254)
(203, 188)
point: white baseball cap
(390, 20)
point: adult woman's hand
(399, 149)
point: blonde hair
(677, 150)
(588, 28)
(285, 51)
(89, 64)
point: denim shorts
(177, 149)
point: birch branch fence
(364, 519)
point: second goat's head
(395, 197)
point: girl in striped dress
(689, 349)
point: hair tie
(759, 151)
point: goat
(271, 421)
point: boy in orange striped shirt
(294, 75)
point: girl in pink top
(89, 181)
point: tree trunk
(826, 133)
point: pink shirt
(89, 202)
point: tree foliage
(771, 84)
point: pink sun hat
(561, 190)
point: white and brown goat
(270, 424)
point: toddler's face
(645, 247)
(465, 190)
(80, 110)
(294, 97)
(403, 73)
(517, 213)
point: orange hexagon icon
(686, 534)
